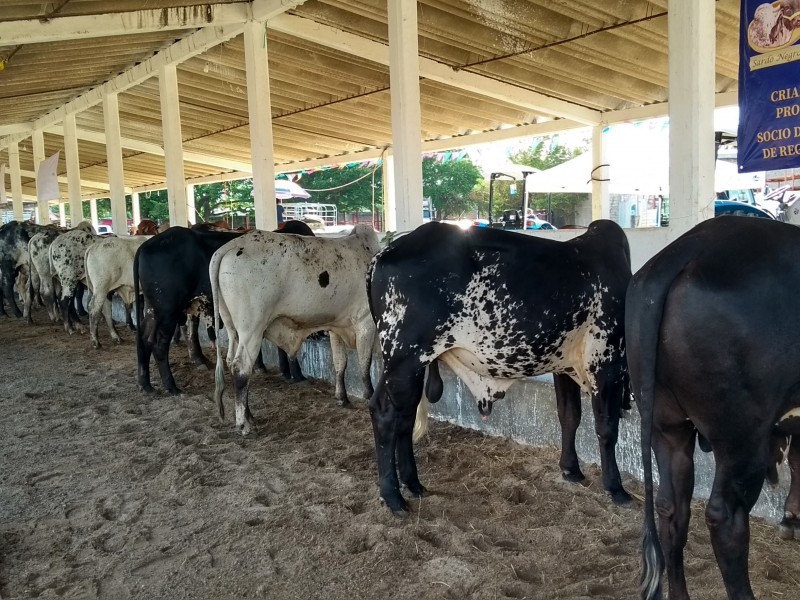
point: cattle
(14, 238)
(66, 255)
(496, 307)
(170, 274)
(109, 269)
(42, 281)
(712, 332)
(145, 227)
(285, 288)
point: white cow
(109, 268)
(66, 254)
(285, 287)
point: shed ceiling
(486, 65)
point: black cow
(713, 335)
(14, 238)
(171, 277)
(496, 307)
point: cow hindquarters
(392, 409)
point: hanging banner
(769, 85)
(47, 179)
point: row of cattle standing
(704, 335)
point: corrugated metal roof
(604, 56)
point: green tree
(153, 206)
(449, 185)
(543, 154)
(351, 189)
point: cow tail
(644, 310)
(139, 303)
(642, 323)
(30, 284)
(219, 375)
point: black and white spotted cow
(14, 238)
(67, 254)
(713, 336)
(496, 307)
(285, 288)
(171, 279)
(42, 282)
(109, 270)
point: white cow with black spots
(286, 287)
(66, 255)
(496, 307)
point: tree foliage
(352, 189)
(449, 185)
(543, 155)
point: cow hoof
(262, 369)
(786, 532)
(95, 345)
(176, 391)
(620, 497)
(147, 389)
(118, 341)
(397, 505)
(201, 367)
(417, 490)
(575, 476)
(343, 402)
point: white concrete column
(601, 208)
(93, 212)
(389, 204)
(692, 48)
(190, 207)
(260, 110)
(62, 214)
(173, 144)
(116, 178)
(406, 118)
(73, 169)
(43, 206)
(135, 209)
(16, 181)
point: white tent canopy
(638, 164)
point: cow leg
(607, 407)
(365, 340)
(106, 310)
(738, 479)
(568, 400)
(163, 336)
(674, 451)
(129, 316)
(392, 409)
(259, 366)
(289, 367)
(248, 347)
(339, 352)
(790, 524)
(67, 314)
(144, 349)
(79, 291)
(193, 344)
(8, 293)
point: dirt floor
(109, 493)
